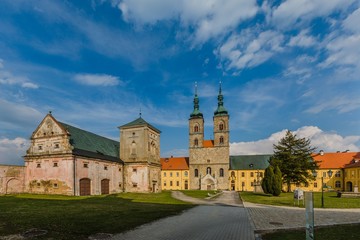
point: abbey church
(64, 159)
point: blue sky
(283, 65)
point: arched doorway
(105, 186)
(349, 187)
(85, 187)
(14, 186)
(210, 185)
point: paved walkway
(226, 217)
(221, 218)
(267, 217)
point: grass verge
(287, 199)
(337, 232)
(67, 217)
(201, 194)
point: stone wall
(12, 179)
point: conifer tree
(267, 182)
(277, 185)
(293, 157)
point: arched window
(133, 147)
(221, 126)
(196, 128)
(221, 172)
(208, 170)
(196, 142)
(221, 140)
(196, 173)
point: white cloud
(352, 22)
(8, 78)
(303, 39)
(341, 104)
(12, 150)
(207, 18)
(298, 12)
(97, 79)
(327, 141)
(249, 48)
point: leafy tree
(293, 157)
(277, 184)
(267, 182)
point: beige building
(63, 159)
(209, 159)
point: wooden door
(105, 186)
(85, 187)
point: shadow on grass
(83, 216)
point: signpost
(298, 195)
(309, 216)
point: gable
(48, 127)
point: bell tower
(196, 125)
(221, 123)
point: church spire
(196, 112)
(220, 109)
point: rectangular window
(164, 183)
(86, 165)
(134, 184)
(177, 174)
(324, 174)
(170, 183)
(55, 164)
(177, 183)
(338, 174)
(261, 174)
(338, 184)
(134, 170)
(252, 184)
(105, 167)
(55, 185)
(242, 174)
(56, 145)
(38, 165)
(315, 185)
(164, 174)
(251, 174)
(171, 174)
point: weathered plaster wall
(12, 179)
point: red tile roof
(175, 163)
(208, 143)
(334, 160)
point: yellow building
(352, 174)
(175, 173)
(247, 171)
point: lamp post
(322, 184)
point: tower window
(196, 142)
(221, 126)
(196, 173)
(196, 128)
(221, 140)
(221, 172)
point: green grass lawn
(197, 193)
(337, 232)
(67, 217)
(287, 199)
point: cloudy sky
(283, 65)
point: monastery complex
(63, 159)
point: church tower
(196, 125)
(221, 123)
(209, 159)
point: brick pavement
(220, 218)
